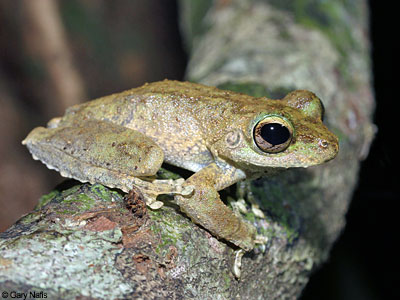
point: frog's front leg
(205, 207)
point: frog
(222, 137)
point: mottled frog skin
(121, 141)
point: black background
(364, 261)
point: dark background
(364, 261)
(121, 44)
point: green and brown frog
(223, 137)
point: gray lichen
(55, 252)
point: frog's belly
(192, 159)
(186, 152)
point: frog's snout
(329, 147)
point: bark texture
(87, 241)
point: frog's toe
(156, 205)
(257, 211)
(237, 264)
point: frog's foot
(173, 187)
(244, 192)
(238, 206)
(237, 264)
(151, 189)
(257, 211)
(261, 239)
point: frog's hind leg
(102, 152)
(205, 207)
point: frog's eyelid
(265, 116)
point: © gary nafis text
(18, 295)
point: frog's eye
(273, 134)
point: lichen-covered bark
(269, 48)
(89, 241)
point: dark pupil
(275, 133)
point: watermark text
(23, 295)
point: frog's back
(158, 100)
(178, 116)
